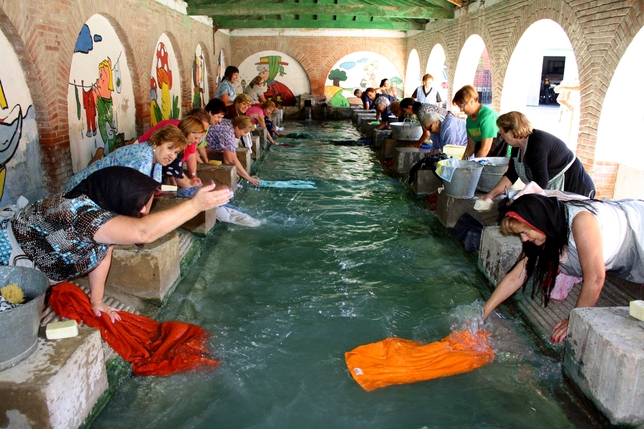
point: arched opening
(473, 68)
(542, 69)
(412, 78)
(619, 135)
(437, 67)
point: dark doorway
(552, 71)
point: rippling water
(351, 262)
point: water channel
(354, 261)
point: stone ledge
(604, 357)
(57, 386)
(220, 174)
(201, 224)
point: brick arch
(350, 48)
(263, 45)
(37, 94)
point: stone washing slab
(604, 357)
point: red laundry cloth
(151, 347)
(399, 361)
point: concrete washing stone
(604, 357)
(57, 386)
(498, 252)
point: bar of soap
(58, 330)
(483, 205)
(169, 188)
(214, 162)
(637, 309)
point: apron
(17, 257)
(557, 183)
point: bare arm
(486, 145)
(146, 229)
(469, 150)
(498, 189)
(423, 138)
(231, 158)
(588, 238)
(97, 278)
(506, 287)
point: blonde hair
(268, 104)
(191, 124)
(510, 225)
(200, 113)
(243, 123)
(465, 94)
(169, 134)
(243, 98)
(516, 123)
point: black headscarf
(121, 190)
(550, 217)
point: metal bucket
(19, 326)
(406, 131)
(492, 172)
(464, 180)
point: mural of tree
(337, 75)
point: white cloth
(229, 215)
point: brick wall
(45, 32)
(45, 35)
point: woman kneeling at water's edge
(72, 234)
(583, 238)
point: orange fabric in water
(398, 361)
(151, 347)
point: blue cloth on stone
(291, 184)
(187, 192)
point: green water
(351, 262)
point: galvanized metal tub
(408, 131)
(464, 180)
(19, 326)
(493, 170)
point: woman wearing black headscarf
(581, 238)
(73, 234)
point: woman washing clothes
(255, 90)
(583, 238)
(194, 130)
(383, 110)
(539, 157)
(482, 131)
(443, 130)
(411, 107)
(216, 110)
(226, 89)
(72, 234)
(222, 138)
(163, 147)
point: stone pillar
(604, 358)
(379, 137)
(57, 386)
(406, 157)
(147, 271)
(243, 155)
(257, 145)
(426, 183)
(449, 209)
(220, 174)
(263, 141)
(497, 253)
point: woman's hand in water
(208, 197)
(560, 331)
(254, 181)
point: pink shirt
(255, 110)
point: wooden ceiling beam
(218, 22)
(387, 12)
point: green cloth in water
(300, 136)
(292, 184)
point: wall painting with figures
(100, 97)
(359, 70)
(200, 96)
(283, 76)
(20, 160)
(165, 83)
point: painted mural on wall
(221, 67)
(283, 76)
(359, 70)
(20, 161)
(199, 79)
(101, 109)
(165, 83)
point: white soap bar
(169, 188)
(637, 309)
(57, 330)
(483, 205)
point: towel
(445, 168)
(399, 361)
(151, 347)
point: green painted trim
(356, 9)
(337, 24)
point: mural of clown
(268, 67)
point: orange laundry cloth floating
(151, 347)
(398, 361)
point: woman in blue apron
(539, 157)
